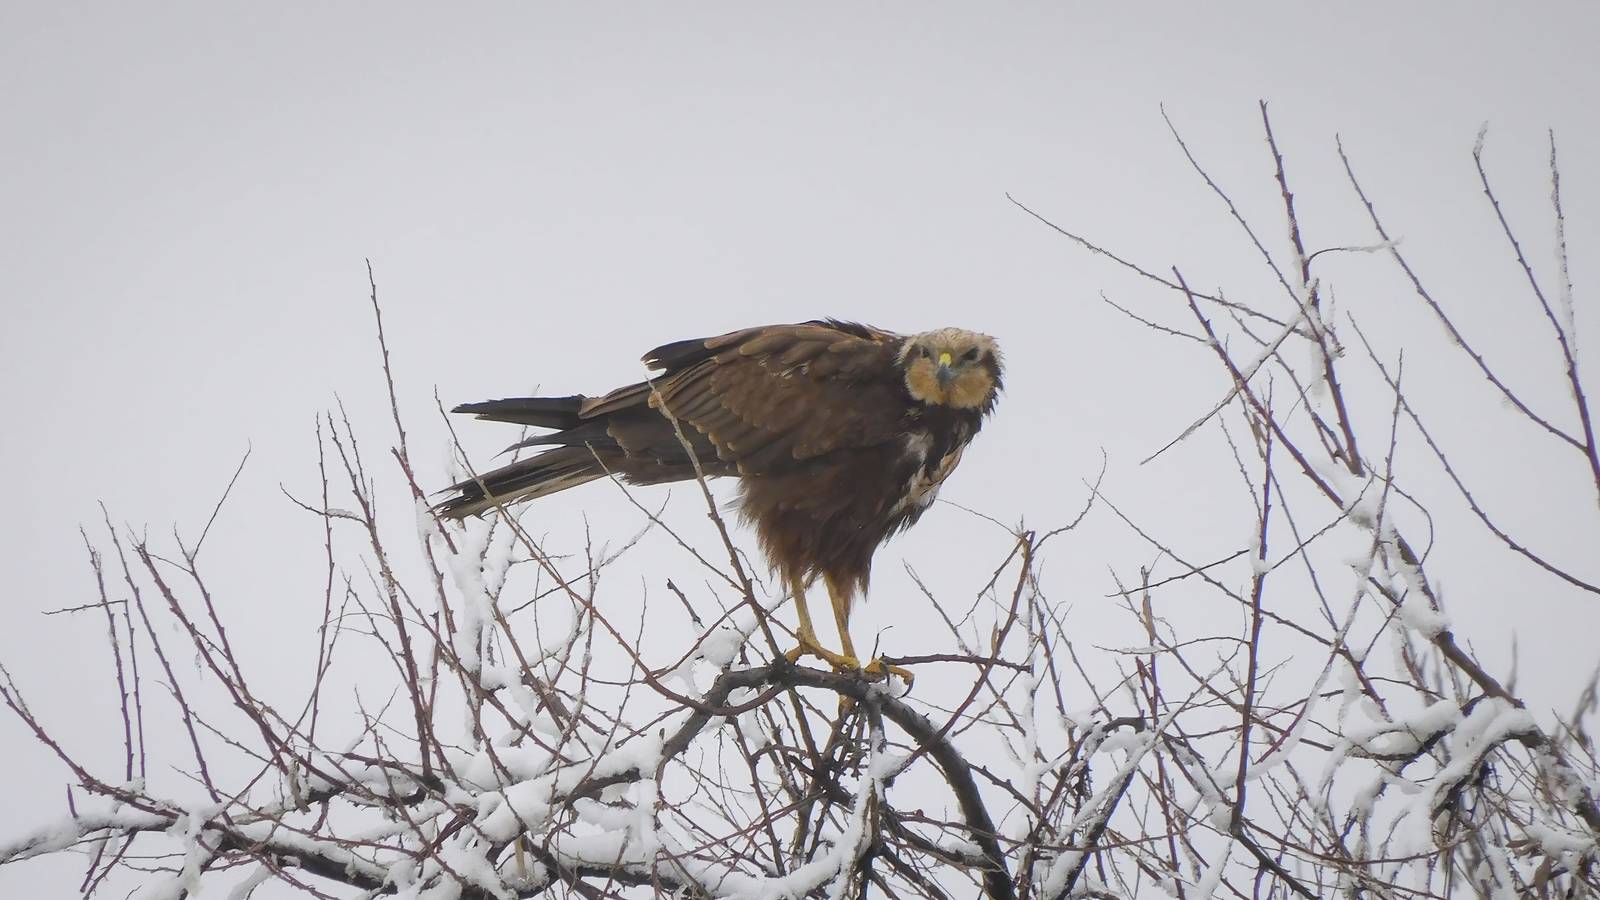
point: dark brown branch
(1456, 336)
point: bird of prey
(840, 435)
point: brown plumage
(840, 435)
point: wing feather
(788, 393)
(761, 401)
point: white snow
(502, 814)
(1418, 613)
(467, 857)
(190, 828)
(1207, 885)
(257, 877)
(721, 645)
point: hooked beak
(944, 372)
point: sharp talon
(808, 646)
(839, 662)
(844, 662)
(878, 667)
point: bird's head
(952, 367)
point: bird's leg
(807, 636)
(841, 596)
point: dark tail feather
(540, 412)
(525, 479)
(593, 433)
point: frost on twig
(1320, 730)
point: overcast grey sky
(188, 193)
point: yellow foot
(810, 647)
(879, 667)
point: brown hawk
(840, 436)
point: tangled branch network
(1293, 716)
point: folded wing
(762, 401)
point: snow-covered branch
(486, 720)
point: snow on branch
(511, 731)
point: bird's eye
(970, 355)
(926, 352)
